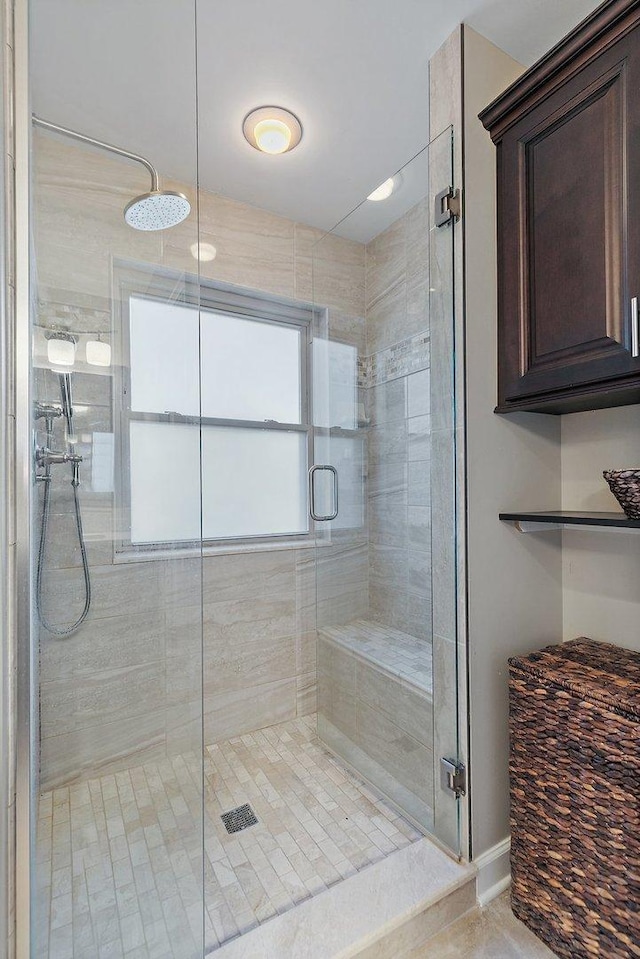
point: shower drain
(240, 818)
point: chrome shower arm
(54, 128)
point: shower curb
(384, 911)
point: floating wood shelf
(560, 519)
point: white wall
(525, 591)
(514, 582)
(600, 569)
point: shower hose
(46, 508)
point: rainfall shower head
(156, 210)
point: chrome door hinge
(447, 206)
(453, 777)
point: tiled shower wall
(127, 684)
(398, 411)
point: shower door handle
(312, 494)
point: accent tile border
(408, 356)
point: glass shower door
(384, 455)
(116, 627)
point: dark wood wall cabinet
(568, 140)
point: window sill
(148, 555)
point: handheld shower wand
(46, 457)
(67, 404)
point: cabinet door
(569, 175)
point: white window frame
(166, 286)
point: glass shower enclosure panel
(384, 420)
(116, 517)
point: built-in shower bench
(400, 655)
(375, 709)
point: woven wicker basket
(575, 798)
(625, 486)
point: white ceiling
(354, 71)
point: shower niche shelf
(538, 522)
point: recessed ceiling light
(205, 252)
(383, 191)
(272, 130)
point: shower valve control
(47, 457)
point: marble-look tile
(250, 575)
(402, 609)
(399, 655)
(100, 697)
(307, 693)
(410, 709)
(419, 438)
(388, 565)
(337, 686)
(339, 274)
(419, 570)
(419, 483)
(255, 248)
(387, 318)
(370, 905)
(238, 711)
(127, 640)
(305, 239)
(419, 393)
(386, 261)
(485, 934)
(419, 527)
(416, 933)
(387, 402)
(135, 850)
(443, 533)
(388, 522)
(255, 657)
(87, 752)
(417, 230)
(386, 479)
(348, 328)
(133, 586)
(249, 621)
(410, 761)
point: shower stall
(240, 647)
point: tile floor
(120, 865)
(491, 933)
(396, 652)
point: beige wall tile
(410, 710)
(399, 753)
(234, 712)
(87, 752)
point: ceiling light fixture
(205, 252)
(384, 191)
(272, 130)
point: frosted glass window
(164, 357)
(254, 482)
(165, 482)
(250, 369)
(229, 370)
(335, 384)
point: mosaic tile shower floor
(120, 869)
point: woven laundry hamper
(574, 722)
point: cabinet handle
(635, 329)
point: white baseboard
(494, 875)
